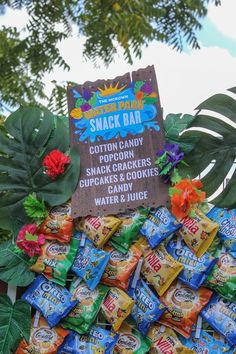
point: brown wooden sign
(118, 127)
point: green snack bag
(81, 318)
(223, 276)
(56, 260)
(129, 229)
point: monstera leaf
(31, 133)
(220, 148)
(15, 323)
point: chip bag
(183, 307)
(58, 225)
(195, 269)
(159, 267)
(159, 225)
(223, 276)
(90, 264)
(165, 341)
(129, 229)
(116, 307)
(130, 341)
(83, 315)
(226, 218)
(56, 259)
(221, 315)
(43, 339)
(147, 308)
(97, 341)
(99, 228)
(120, 266)
(198, 232)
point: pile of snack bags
(140, 282)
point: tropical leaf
(220, 149)
(15, 323)
(138, 85)
(150, 100)
(33, 133)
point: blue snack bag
(221, 315)
(226, 218)
(98, 340)
(90, 264)
(195, 269)
(52, 300)
(147, 308)
(159, 225)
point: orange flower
(139, 95)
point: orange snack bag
(120, 266)
(58, 225)
(43, 339)
(183, 307)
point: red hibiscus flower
(29, 240)
(55, 163)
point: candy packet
(221, 315)
(43, 339)
(147, 308)
(195, 269)
(129, 230)
(58, 225)
(198, 232)
(116, 307)
(97, 341)
(90, 264)
(206, 344)
(56, 259)
(223, 276)
(165, 341)
(99, 228)
(159, 268)
(183, 307)
(120, 266)
(52, 300)
(83, 315)
(226, 218)
(130, 341)
(159, 225)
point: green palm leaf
(31, 134)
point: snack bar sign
(118, 127)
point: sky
(184, 79)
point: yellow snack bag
(198, 232)
(116, 307)
(159, 267)
(166, 341)
(99, 228)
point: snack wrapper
(58, 225)
(147, 308)
(120, 267)
(159, 225)
(183, 307)
(56, 259)
(52, 300)
(129, 230)
(159, 268)
(99, 228)
(226, 218)
(131, 342)
(43, 339)
(83, 315)
(90, 264)
(221, 315)
(166, 341)
(223, 276)
(195, 269)
(198, 232)
(116, 307)
(97, 341)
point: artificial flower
(167, 160)
(55, 163)
(29, 240)
(184, 196)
